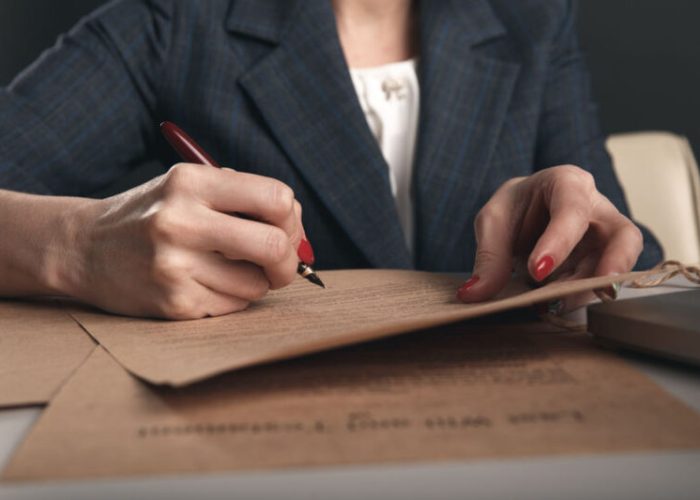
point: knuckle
(578, 176)
(489, 214)
(179, 178)
(485, 257)
(177, 304)
(512, 182)
(632, 240)
(162, 225)
(581, 214)
(568, 237)
(634, 234)
(281, 198)
(168, 269)
(276, 245)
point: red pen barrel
(185, 146)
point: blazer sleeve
(84, 113)
(569, 130)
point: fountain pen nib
(307, 272)
(313, 278)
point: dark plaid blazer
(264, 86)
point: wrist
(63, 258)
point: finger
(202, 229)
(261, 198)
(584, 268)
(240, 239)
(570, 207)
(264, 199)
(228, 191)
(233, 278)
(621, 251)
(619, 256)
(578, 267)
(194, 301)
(493, 262)
(218, 304)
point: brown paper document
(358, 305)
(40, 346)
(460, 392)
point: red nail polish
(462, 292)
(306, 253)
(544, 267)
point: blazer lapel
(303, 90)
(464, 98)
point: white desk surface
(673, 475)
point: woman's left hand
(555, 224)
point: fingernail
(544, 267)
(306, 253)
(464, 289)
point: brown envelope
(359, 305)
(40, 346)
(470, 392)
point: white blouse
(390, 98)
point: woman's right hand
(175, 247)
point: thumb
(493, 262)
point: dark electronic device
(666, 325)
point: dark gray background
(644, 55)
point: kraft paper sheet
(357, 306)
(463, 392)
(40, 346)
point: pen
(191, 152)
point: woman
(440, 135)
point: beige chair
(660, 178)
